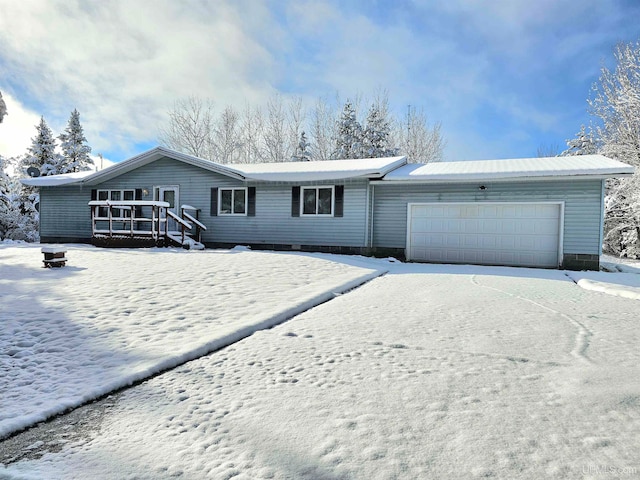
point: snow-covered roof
(273, 172)
(391, 168)
(54, 180)
(575, 166)
(319, 170)
(135, 162)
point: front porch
(140, 223)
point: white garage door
(523, 234)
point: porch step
(189, 243)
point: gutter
(541, 178)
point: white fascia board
(488, 179)
(153, 155)
(286, 171)
(55, 180)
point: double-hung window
(115, 195)
(232, 201)
(318, 200)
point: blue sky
(504, 77)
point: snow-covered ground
(111, 317)
(427, 372)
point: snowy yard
(111, 317)
(427, 372)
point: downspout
(366, 216)
(601, 233)
(373, 206)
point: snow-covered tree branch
(75, 151)
(42, 152)
(190, 128)
(272, 133)
(615, 101)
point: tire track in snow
(583, 334)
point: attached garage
(534, 212)
(495, 233)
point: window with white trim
(232, 201)
(317, 201)
(115, 195)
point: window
(233, 201)
(115, 195)
(317, 200)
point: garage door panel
(436, 225)
(470, 241)
(547, 243)
(530, 227)
(503, 234)
(529, 211)
(489, 226)
(528, 242)
(507, 242)
(509, 226)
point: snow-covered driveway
(427, 372)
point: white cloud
(17, 128)
(122, 63)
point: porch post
(110, 221)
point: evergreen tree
(75, 150)
(302, 151)
(18, 214)
(25, 199)
(349, 134)
(4, 198)
(41, 154)
(582, 144)
(376, 135)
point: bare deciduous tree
(419, 141)
(273, 134)
(323, 130)
(295, 120)
(251, 126)
(226, 138)
(190, 127)
(551, 150)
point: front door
(169, 194)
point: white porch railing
(144, 219)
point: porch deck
(140, 223)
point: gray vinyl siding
(582, 199)
(273, 223)
(65, 212)
(194, 183)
